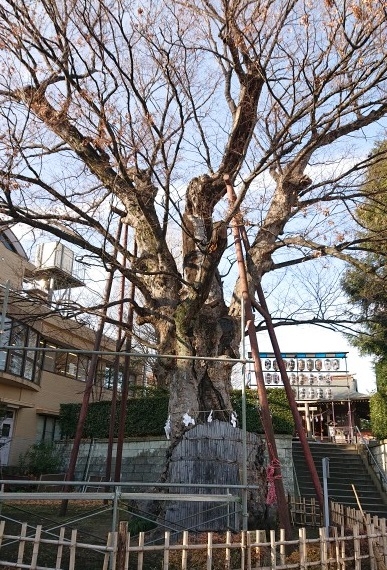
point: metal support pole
(307, 420)
(263, 309)
(90, 380)
(244, 427)
(291, 398)
(325, 467)
(125, 379)
(350, 423)
(261, 389)
(117, 494)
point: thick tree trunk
(212, 454)
(199, 386)
(206, 446)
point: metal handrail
(373, 461)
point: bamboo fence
(353, 541)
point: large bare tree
(113, 110)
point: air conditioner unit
(54, 255)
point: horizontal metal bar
(181, 497)
(205, 498)
(10, 496)
(122, 353)
(124, 484)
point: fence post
(227, 562)
(243, 549)
(370, 545)
(323, 548)
(209, 550)
(383, 538)
(73, 546)
(122, 545)
(273, 550)
(260, 538)
(282, 547)
(184, 553)
(167, 537)
(302, 547)
(117, 494)
(356, 546)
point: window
(5, 240)
(18, 339)
(47, 428)
(18, 361)
(30, 356)
(5, 430)
(49, 357)
(66, 363)
(60, 363)
(4, 341)
(72, 365)
(108, 376)
(83, 367)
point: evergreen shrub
(378, 415)
(281, 414)
(41, 458)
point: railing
(114, 493)
(372, 461)
(354, 540)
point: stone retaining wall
(143, 460)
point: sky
(309, 338)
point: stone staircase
(346, 467)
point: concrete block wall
(142, 460)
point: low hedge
(146, 414)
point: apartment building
(34, 382)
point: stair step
(346, 468)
